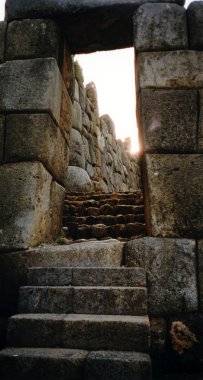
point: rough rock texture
(3, 26)
(158, 335)
(86, 22)
(200, 129)
(24, 204)
(57, 195)
(2, 135)
(174, 197)
(168, 120)
(200, 272)
(195, 25)
(32, 39)
(35, 137)
(78, 180)
(178, 69)
(160, 27)
(171, 273)
(31, 85)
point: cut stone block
(91, 332)
(195, 25)
(107, 365)
(50, 276)
(171, 273)
(160, 27)
(24, 205)
(2, 137)
(57, 196)
(200, 273)
(3, 26)
(174, 69)
(78, 180)
(41, 364)
(168, 120)
(174, 196)
(31, 85)
(32, 39)
(200, 127)
(35, 137)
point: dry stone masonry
(52, 140)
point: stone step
(106, 209)
(105, 365)
(89, 332)
(87, 276)
(83, 300)
(106, 253)
(100, 202)
(42, 364)
(108, 220)
(138, 197)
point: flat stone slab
(89, 25)
(91, 332)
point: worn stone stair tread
(89, 332)
(83, 299)
(42, 364)
(108, 365)
(64, 276)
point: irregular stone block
(200, 273)
(66, 116)
(171, 273)
(195, 25)
(56, 209)
(168, 120)
(3, 26)
(77, 116)
(78, 180)
(200, 127)
(35, 137)
(2, 137)
(32, 39)
(174, 195)
(24, 205)
(29, 85)
(174, 69)
(160, 27)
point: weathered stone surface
(171, 273)
(91, 332)
(174, 197)
(99, 230)
(78, 180)
(157, 335)
(41, 363)
(3, 26)
(32, 39)
(35, 137)
(200, 273)
(24, 205)
(76, 159)
(57, 195)
(66, 114)
(195, 25)
(168, 120)
(50, 276)
(29, 85)
(2, 136)
(174, 69)
(200, 127)
(104, 365)
(76, 143)
(160, 27)
(77, 116)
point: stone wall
(94, 148)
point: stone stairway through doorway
(82, 314)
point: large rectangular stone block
(174, 198)
(173, 69)
(195, 25)
(2, 136)
(168, 120)
(200, 127)
(171, 273)
(3, 26)
(200, 273)
(160, 27)
(24, 205)
(32, 39)
(35, 137)
(31, 85)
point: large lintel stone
(31, 85)
(174, 69)
(171, 273)
(3, 25)
(32, 39)
(200, 273)
(174, 199)
(160, 27)
(89, 25)
(2, 136)
(195, 25)
(168, 120)
(24, 205)
(35, 137)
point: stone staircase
(101, 216)
(82, 316)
